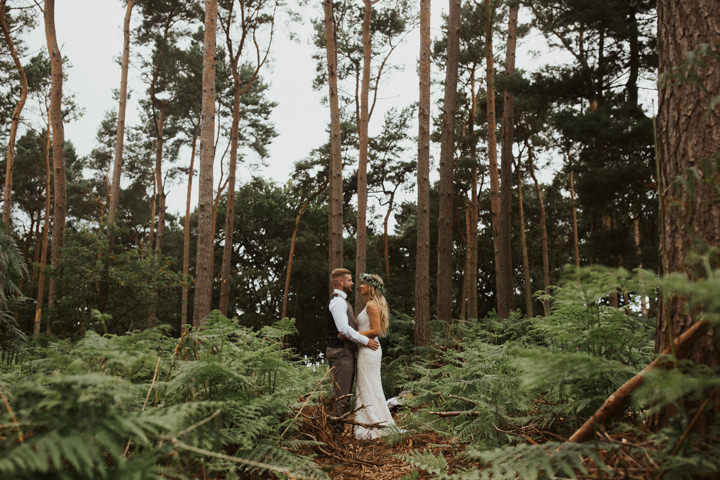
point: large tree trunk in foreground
(186, 238)
(204, 256)
(58, 153)
(688, 132)
(335, 207)
(422, 259)
(505, 282)
(447, 151)
(15, 122)
(120, 134)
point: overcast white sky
(90, 35)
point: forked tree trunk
(45, 235)
(687, 134)
(447, 151)
(288, 274)
(505, 285)
(186, 239)
(422, 260)
(523, 248)
(543, 230)
(120, 134)
(361, 235)
(15, 122)
(204, 257)
(58, 154)
(576, 243)
(335, 208)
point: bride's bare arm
(373, 312)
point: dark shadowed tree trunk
(15, 122)
(335, 208)
(447, 151)
(422, 261)
(204, 256)
(58, 153)
(688, 131)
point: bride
(372, 322)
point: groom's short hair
(339, 273)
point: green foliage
(145, 405)
(12, 270)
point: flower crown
(373, 282)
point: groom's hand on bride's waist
(373, 344)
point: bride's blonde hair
(376, 289)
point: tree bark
(447, 151)
(523, 248)
(543, 230)
(204, 257)
(186, 239)
(386, 241)
(15, 122)
(505, 284)
(422, 259)
(120, 134)
(335, 207)
(474, 210)
(576, 243)
(45, 235)
(361, 235)
(468, 260)
(638, 252)
(58, 154)
(687, 134)
(160, 233)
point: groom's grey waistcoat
(333, 340)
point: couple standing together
(348, 335)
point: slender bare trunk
(160, 235)
(58, 153)
(153, 207)
(523, 249)
(505, 284)
(386, 241)
(422, 260)
(186, 238)
(472, 269)
(447, 150)
(576, 243)
(204, 258)
(335, 208)
(45, 235)
(468, 261)
(543, 230)
(638, 252)
(120, 134)
(7, 196)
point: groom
(341, 353)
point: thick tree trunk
(543, 230)
(361, 235)
(45, 235)
(688, 133)
(120, 134)
(335, 207)
(204, 257)
(447, 151)
(422, 259)
(186, 238)
(58, 154)
(576, 243)
(505, 283)
(523, 249)
(15, 122)
(230, 207)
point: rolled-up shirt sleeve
(338, 308)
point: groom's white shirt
(338, 308)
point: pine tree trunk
(505, 284)
(186, 238)
(204, 257)
(638, 252)
(576, 243)
(335, 207)
(529, 313)
(361, 235)
(58, 154)
(120, 134)
(468, 261)
(543, 230)
(687, 133)
(422, 260)
(160, 235)
(386, 241)
(447, 151)
(45, 235)
(15, 122)
(230, 207)
(153, 207)
(472, 241)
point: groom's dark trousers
(341, 357)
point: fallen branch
(616, 403)
(304, 404)
(455, 413)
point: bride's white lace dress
(370, 400)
